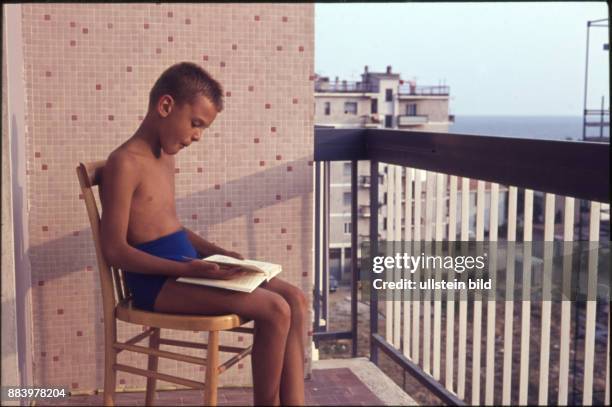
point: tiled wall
(247, 185)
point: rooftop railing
(491, 351)
(409, 90)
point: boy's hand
(205, 269)
(234, 255)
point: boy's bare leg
(270, 312)
(292, 379)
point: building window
(374, 106)
(346, 169)
(389, 95)
(348, 229)
(346, 199)
(350, 107)
(388, 121)
(384, 223)
(327, 108)
(411, 109)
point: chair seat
(126, 311)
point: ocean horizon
(530, 127)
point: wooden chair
(117, 305)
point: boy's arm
(206, 248)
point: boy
(142, 235)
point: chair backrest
(112, 282)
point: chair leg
(152, 365)
(110, 359)
(212, 369)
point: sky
(508, 59)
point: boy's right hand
(205, 269)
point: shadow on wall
(71, 247)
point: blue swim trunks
(146, 287)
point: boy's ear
(165, 105)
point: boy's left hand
(234, 255)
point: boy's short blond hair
(183, 81)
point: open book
(260, 272)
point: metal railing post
(354, 248)
(373, 251)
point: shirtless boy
(142, 235)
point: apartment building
(379, 100)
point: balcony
(412, 120)
(478, 351)
(410, 90)
(344, 87)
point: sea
(531, 127)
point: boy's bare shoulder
(122, 161)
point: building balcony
(411, 120)
(482, 189)
(344, 87)
(411, 90)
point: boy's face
(182, 125)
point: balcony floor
(335, 382)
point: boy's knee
(279, 311)
(300, 301)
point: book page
(246, 283)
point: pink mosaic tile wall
(247, 185)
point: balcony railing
(345, 86)
(409, 90)
(412, 120)
(459, 353)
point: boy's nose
(197, 136)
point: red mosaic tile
(256, 220)
(279, 157)
(283, 230)
(310, 163)
(304, 274)
(170, 14)
(37, 154)
(60, 311)
(85, 30)
(89, 268)
(257, 18)
(72, 24)
(48, 74)
(45, 228)
(285, 19)
(217, 186)
(311, 77)
(41, 283)
(111, 117)
(222, 64)
(194, 216)
(228, 94)
(121, 381)
(170, 38)
(199, 169)
(128, 69)
(273, 129)
(177, 170)
(251, 88)
(55, 358)
(279, 47)
(98, 86)
(204, 57)
(240, 365)
(262, 163)
(234, 47)
(288, 247)
(295, 101)
(79, 333)
(187, 21)
(43, 354)
(47, 17)
(49, 105)
(256, 140)
(289, 168)
(158, 50)
(240, 338)
(301, 48)
(81, 196)
(146, 26)
(278, 197)
(72, 43)
(75, 233)
(228, 204)
(109, 25)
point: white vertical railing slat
(462, 356)
(450, 303)
(564, 334)
(476, 326)
(490, 362)
(526, 298)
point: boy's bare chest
(156, 190)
